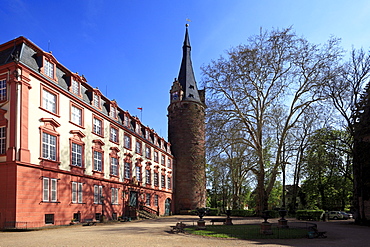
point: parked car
(338, 215)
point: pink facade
(67, 152)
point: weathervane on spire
(187, 20)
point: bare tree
(275, 70)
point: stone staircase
(146, 215)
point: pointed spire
(186, 74)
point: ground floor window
(156, 200)
(148, 199)
(49, 218)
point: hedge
(309, 214)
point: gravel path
(157, 233)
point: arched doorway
(167, 207)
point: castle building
(186, 133)
(68, 152)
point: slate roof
(186, 75)
(25, 52)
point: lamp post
(102, 208)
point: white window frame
(49, 68)
(76, 115)
(148, 199)
(147, 152)
(3, 90)
(96, 100)
(138, 147)
(156, 179)
(98, 193)
(49, 146)
(77, 192)
(98, 161)
(75, 87)
(114, 199)
(98, 126)
(138, 173)
(127, 170)
(114, 134)
(50, 189)
(114, 166)
(3, 133)
(77, 154)
(148, 176)
(49, 101)
(127, 141)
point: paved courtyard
(157, 233)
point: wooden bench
(89, 222)
(217, 220)
(178, 228)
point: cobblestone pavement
(157, 233)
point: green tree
(277, 76)
(328, 181)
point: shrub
(243, 213)
(213, 212)
(309, 214)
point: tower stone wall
(187, 136)
(186, 133)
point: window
(169, 183)
(138, 173)
(147, 152)
(98, 194)
(76, 154)
(114, 195)
(49, 146)
(138, 147)
(49, 69)
(169, 163)
(96, 101)
(127, 141)
(114, 166)
(98, 160)
(148, 177)
(155, 156)
(127, 170)
(49, 190)
(76, 115)
(148, 198)
(49, 218)
(113, 112)
(2, 140)
(156, 200)
(163, 181)
(98, 126)
(49, 101)
(162, 160)
(3, 90)
(75, 87)
(113, 134)
(156, 182)
(76, 192)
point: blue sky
(131, 49)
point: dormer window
(49, 69)
(75, 87)
(113, 112)
(96, 100)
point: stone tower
(186, 133)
